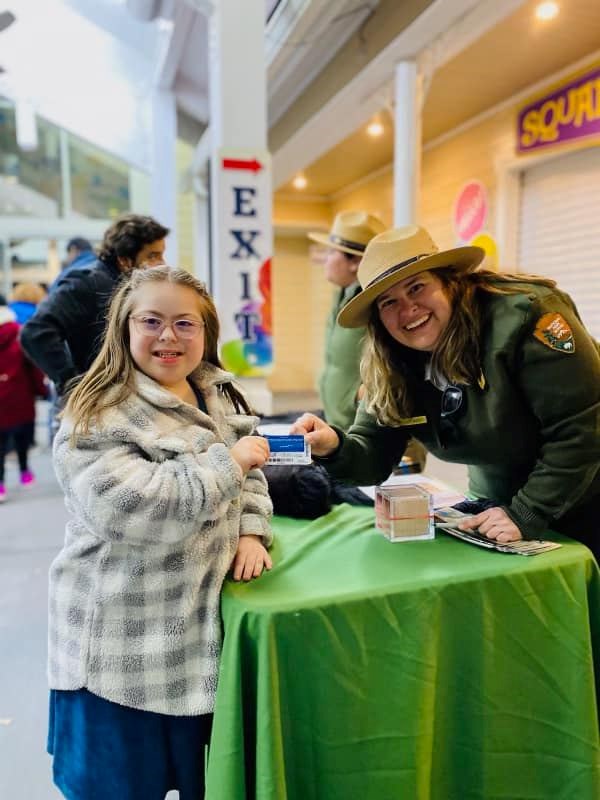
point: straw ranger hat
(351, 232)
(394, 256)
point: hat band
(347, 243)
(396, 267)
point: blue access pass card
(288, 450)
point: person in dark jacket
(20, 383)
(491, 370)
(65, 334)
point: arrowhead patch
(554, 331)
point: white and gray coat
(158, 505)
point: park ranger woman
(495, 371)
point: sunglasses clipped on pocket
(451, 403)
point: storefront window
(99, 182)
(30, 181)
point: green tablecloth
(359, 669)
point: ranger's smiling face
(415, 311)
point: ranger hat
(394, 256)
(351, 232)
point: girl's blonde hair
(387, 367)
(110, 379)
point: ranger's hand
(322, 439)
(493, 523)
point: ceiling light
(375, 128)
(546, 10)
(299, 181)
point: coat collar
(206, 377)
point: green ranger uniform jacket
(529, 431)
(340, 378)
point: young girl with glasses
(160, 469)
(491, 370)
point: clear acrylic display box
(404, 513)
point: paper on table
(443, 495)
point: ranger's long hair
(386, 365)
(110, 379)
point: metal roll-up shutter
(559, 231)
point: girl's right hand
(250, 452)
(323, 440)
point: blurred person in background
(339, 381)
(20, 383)
(25, 299)
(340, 387)
(79, 254)
(65, 334)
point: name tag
(413, 421)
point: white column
(163, 177)
(407, 143)
(202, 232)
(240, 192)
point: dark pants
(20, 438)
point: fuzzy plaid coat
(157, 507)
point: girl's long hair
(110, 379)
(387, 368)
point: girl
(490, 370)
(20, 383)
(160, 473)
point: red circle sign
(470, 210)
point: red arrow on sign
(240, 163)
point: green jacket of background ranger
(530, 433)
(340, 379)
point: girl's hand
(493, 523)
(250, 559)
(250, 452)
(322, 439)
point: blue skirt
(104, 751)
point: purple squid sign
(568, 115)
(244, 280)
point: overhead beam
(444, 29)
(191, 100)
(173, 46)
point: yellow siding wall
(299, 212)
(301, 300)
(375, 196)
(471, 155)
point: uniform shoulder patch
(554, 331)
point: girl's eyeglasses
(154, 326)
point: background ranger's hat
(351, 232)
